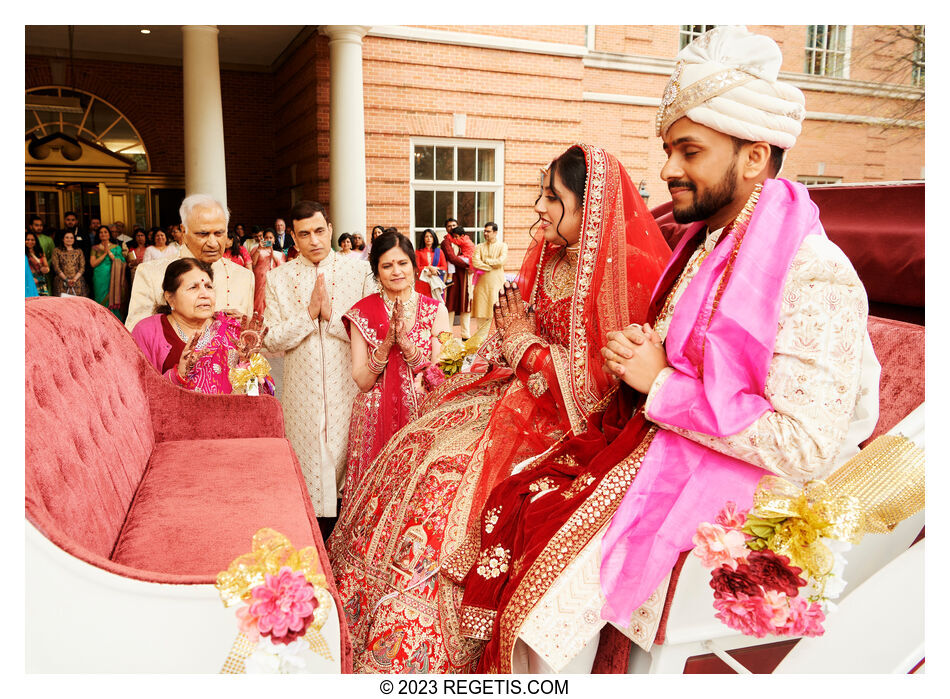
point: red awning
(879, 227)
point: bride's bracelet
(376, 366)
(415, 359)
(515, 347)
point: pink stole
(721, 359)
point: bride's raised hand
(512, 316)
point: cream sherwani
(318, 388)
(823, 387)
(233, 287)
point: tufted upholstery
(899, 348)
(88, 426)
(139, 477)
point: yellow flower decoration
(241, 376)
(800, 517)
(270, 550)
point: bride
(595, 257)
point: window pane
(466, 210)
(101, 116)
(31, 122)
(425, 214)
(486, 208)
(444, 163)
(466, 164)
(138, 203)
(444, 208)
(486, 165)
(425, 162)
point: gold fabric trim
(477, 622)
(678, 100)
(887, 477)
(362, 324)
(595, 195)
(514, 348)
(594, 513)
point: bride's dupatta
(622, 255)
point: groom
(777, 371)
(757, 359)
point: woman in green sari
(108, 273)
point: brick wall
(277, 126)
(302, 124)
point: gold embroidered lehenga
(419, 498)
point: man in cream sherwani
(205, 223)
(305, 301)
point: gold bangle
(375, 365)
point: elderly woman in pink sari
(394, 338)
(188, 342)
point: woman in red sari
(393, 340)
(595, 259)
(429, 259)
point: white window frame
(917, 75)
(687, 34)
(815, 55)
(810, 180)
(497, 185)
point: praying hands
(635, 355)
(512, 316)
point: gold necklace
(408, 307)
(561, 274)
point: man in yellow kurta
(205, 224)
(305, 301)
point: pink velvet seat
(211, 479)
(141, 478)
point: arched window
(84, 115)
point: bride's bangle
(374, 365)
(415, 358)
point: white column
(347, 134)
(204, 121)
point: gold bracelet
(376, 366)
(515, 347)
(416, 359)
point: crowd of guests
(100, 261)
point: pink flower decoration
(715, 546)
(248, 624)
(779, 603)
(730, 518)
(283, 605)
(750, 615)
(806, 618)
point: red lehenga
(393, 400)
(420, 498)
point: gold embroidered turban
(727, 79)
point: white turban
(727, 79)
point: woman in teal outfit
(108, 273)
